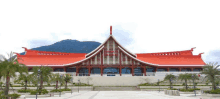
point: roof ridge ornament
(193, 48)
(110, 30)
(201, 53)
(25, 48)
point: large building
(112, 59)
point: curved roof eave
(136, 58)
(85, 58)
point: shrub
(217, 91)
(196, 83)
(22, 84)
(56, 90)
(189, 90)
(48, 84)
(24, 91)
(43, 91)
(65, 89)
(82, 84)
(183, 84)
(14, 96)
(172, 89)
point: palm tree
(211, 72)
(24, 78)
(185, 77)
(56, 78)
(170, 77)
(8, 69)
(67, 78)
(44, 76)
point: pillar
(180, 69)
(101, 71)
(89, 70)
(64, 68)
(132, 68)
(101, 67)
(120, 70)
(144, 70)
(191, 69)
(168, 69)
(77, 70)
(156, 69)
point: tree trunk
(56, 85)
(213, 84)
(7, 85)
(25, 85)
(41, 85)
(66, 85)
(170, 84)
(186, 83)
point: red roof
(172, 58)
(49, 59)
(33, 57)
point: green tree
(211, 72)
(44, 75)
(56, 78)
(170, 77)
(67, 78)
(8, 68)
(24, 77)
(186, 77)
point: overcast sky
(140, 26)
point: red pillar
(120, 63)
(101, 63)
(89, 70)
(132, 68)
(191, 69)
(64, 68)
(168, 69)
(180, 69)
(156, 69)
(77, 70)
(144, 70)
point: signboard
(111, 53)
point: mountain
(69, 46)
(1, 57)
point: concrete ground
(123, 95)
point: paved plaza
(122, 95)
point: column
(132, 68)
(155, 69)
(101, 63)
(89, 70)
(168, 69)
(64, 68)
(144, 70)
(191, 69)
(180, 69)
(120, 70)
(77, 70)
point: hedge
(43, 91)
(217, 91)
(189, 90)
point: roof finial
(110, 30)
